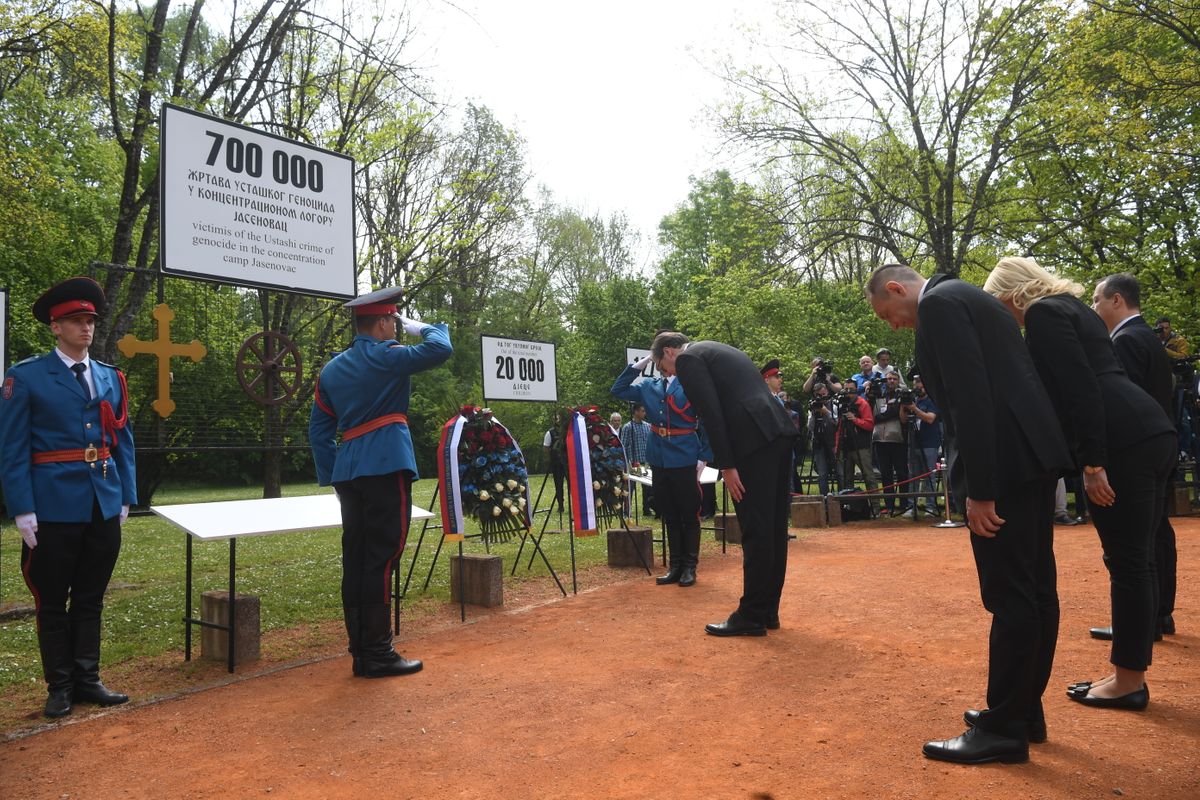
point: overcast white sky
(609, 96)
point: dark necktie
(79, 369)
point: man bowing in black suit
(751, 436)
(1010, 451)
(1118, 302)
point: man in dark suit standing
(1010, 451)
(751, 438)
(1118, 301)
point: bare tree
(916, 107)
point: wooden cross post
(165, 349)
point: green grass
(296, 575)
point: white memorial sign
(636, 354)
(514, 369)
(249, 208)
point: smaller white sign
(515, 369)
(636, 354)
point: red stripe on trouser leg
(405, 516)
(37, 598)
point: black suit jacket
(738, 410)
(979, 373)
(1099, 408)
(1145, 362)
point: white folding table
(234, 519)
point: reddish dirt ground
(617, 693)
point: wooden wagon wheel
(269, 368)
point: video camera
(846, 401)
(823, 369)
(907, 397)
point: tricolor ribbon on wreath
(579, 474)
(481, 473)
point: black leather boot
(691, 555)
(675, 546)
(353, 637)
(377, 658)
(55, 647)
(85, 645)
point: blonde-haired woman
(1122, 442)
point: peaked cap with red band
(70, 298)
(771, 368)
(380, 302)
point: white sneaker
(909, 514)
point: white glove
(411, 326)
(700, 465)
(640, 364)
(124, 514)
(27, 525)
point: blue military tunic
(43, 409)
(667, 409)
(366, 382)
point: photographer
(883, 366)
(1178, 350)
(822, 372)
(866, 367)
(823, 422)
(853, 438)
(925, 439)
(891, 449)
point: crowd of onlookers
(879, 429)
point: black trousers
(72, 563)
(375, 515)
(762, 515)
(1165, 558)
(892, 458)
(677, 493)
(1018, 585)
(1127, 529)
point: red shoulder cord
(109, 423)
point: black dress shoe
(1134, 701)
(58, 704)
(978, 747)
(735, 626)
(1037, 730)
(688, 576)
(773, 624)
(388, 666)
(99, 694)
(672, 576)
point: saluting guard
(67, 470)
(364, 393)
(677, 453)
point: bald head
(892, 272)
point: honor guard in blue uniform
(677, 452)
(364, 392)
(67, 471)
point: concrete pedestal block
(1178, 501)
(214, 607)
(482, 580)
(833, 510)
(807, 512)
(624, 545)
(733, 531)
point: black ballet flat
(1134, 701)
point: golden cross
(164, 348)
